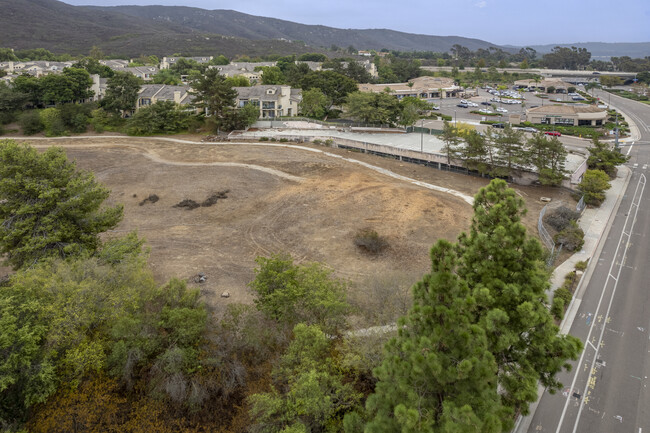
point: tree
(610, 80)
(219, 60)
(309, 392)
(510, 289)
(452, 141)
(593, 186)
(272, 75)
(510, 150)
(334, 85)
(238, 81)
(121, 93)
(475, 153)
(377, 108)
(438, 374)
(549, 157)
(312, 57)
(11, 100)
(80, 82)
(94, 67)
(213, 93)
(167, 76)
(292, 294)
(411, 109)
(313, 103)
(601, 157)
(48, 208)
(163, 117)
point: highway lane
(608, 389)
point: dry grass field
(278, 199)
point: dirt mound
(151, 199)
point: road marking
(630, 148)
(591, 328)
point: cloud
(481, 4)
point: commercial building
(421, 87)
(567, 115)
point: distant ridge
(232, 23)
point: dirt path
(303, 200)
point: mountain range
(131, 31)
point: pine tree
(504, 270)
(438, 374)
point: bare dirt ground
(279, 200)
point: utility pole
(616, 141)
(422, 136)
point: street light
(454, 118)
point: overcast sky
(513, 22)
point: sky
(502, 22)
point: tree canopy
(48, 208)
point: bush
(162, 117)
(557, 308)
(370, 241)
(563, 294)
(30, 122)
(582, 266)
(561, 218)
(76, 117)
(446, 117)
(284, 140)
(264, 138)
(593, 186)
(571, 237)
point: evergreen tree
(601, 157)
(121, 92)
(438, 374)
(503, 268)
(549, 157)
(47, 207)
(511, 153)
(214, 94)
(452, 141)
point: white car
(501, 110)
(472, 104)
(463, 101)
(485, 111)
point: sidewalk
(596, 224)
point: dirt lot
(311, 207)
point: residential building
(568, 114)
(115, 64)
(152, 93)
(145, 72)
(427, 88)
(167, 62)
(272, 100)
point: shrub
(557, 308)
(582, 266)
(593, 186)
(264, 138)
(51, 118)
(284, 140)
(370, 241)
(561, 218)
(446, 117)
(162, 117)
(30, 122)
(563, 294)
(75, 117)
(571, 237)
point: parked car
(463, 101)
(472, 104)
(499, 125)
(435, 107)
(462, 105)
(501, 110)
(553, 133)
(485, 103)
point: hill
(62, 28)
(232, 23)
(604, 50)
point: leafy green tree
(309, 393)
(312, 57)
(48, 208)
(377, 108)
(30, 122)
(163, 117)
(184, 66)
(510, 290)
(549, 158)
(167, 76)
(80, 82)
(94, 67)
(219, 60)
(438, 374)
(313, 104)
(30, 86)
(7, 55)
(593, 186)
(411, 109)
(121, 93)
(272, 75)
(334, 85)
(292, 294)
(11, 101)
(238, 81)
(601, 157)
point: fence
(580, 207)
(547, 239)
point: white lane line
(629, 149)
(591, 328)
(642, 182)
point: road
(607, 391)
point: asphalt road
(607, 391)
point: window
(563, 121)
(546, 121)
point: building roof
(261, 91)
(565, 109)
(164, 92)
(420, 84)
